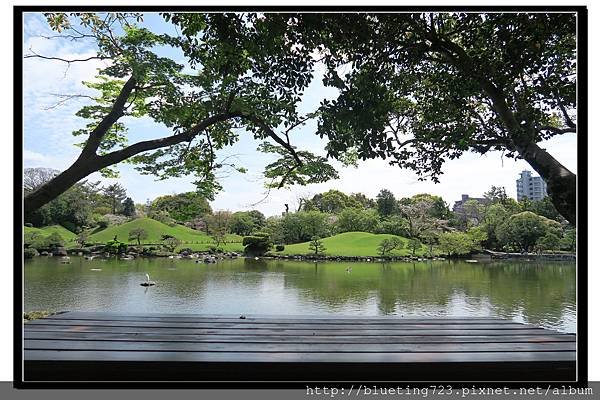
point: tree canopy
(414, 88)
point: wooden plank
(287, 326)
(295, 318)
(135, 345)
(165, 356)
(286, 332)
(53, 335)
(115, 315)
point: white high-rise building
(532, 187)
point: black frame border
(582, 197)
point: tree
(455, 243)
(388, 245)
(331, 202)
(522, 230)
(138, 234)
(182, 207)
(73, 209)
(569, 240)
(357, 220)
(54, 240)
(473, 212)
(114, 194)
(414, 244)
(33, 178)
(316, 245)
(363, 200)
(233, 84)
(496, 194)
(241, 223)
(257, 244)
(128, 207)
(170, 242)
(386, 203)
(418, 212)
(421, 88)
(82, 239)
(258, 219)
(550, 241)
(218, 226)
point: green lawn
(351, 244)
(66, 234)
(191, 238)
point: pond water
(540, 294)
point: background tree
(138, 234)
(33, 178)
(73, 209)
(218, 226)
(182, 207)
(170, 243)
(241, 223)
(357, 220)
(81, 239)
(128, 207)
(455, 243)
(316, 245)
(388, 245)
(522, 230)
(331, 202)
(114, 195)
(550, 241)
(257, 244)
(386, 203)
(414, 244)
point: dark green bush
(257, 244)
(29, 253)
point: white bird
(148, 281)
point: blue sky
(49, 143)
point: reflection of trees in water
(540, 292)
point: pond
(542, 294)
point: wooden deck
(75, 346)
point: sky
(48, 142)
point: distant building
(458, 205)
(532, 187)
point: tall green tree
(386, 203)
(114, 195)
(332, 202)
(182, 207)
(128, 207)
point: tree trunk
(562, 183)
(59, 184)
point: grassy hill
(66, 234)
(351, 244)
(191, 238)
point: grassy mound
(189, 237)
(66, 234)
(351, 244)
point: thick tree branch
(558, 131)
(116, 112)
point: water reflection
(541, 294)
